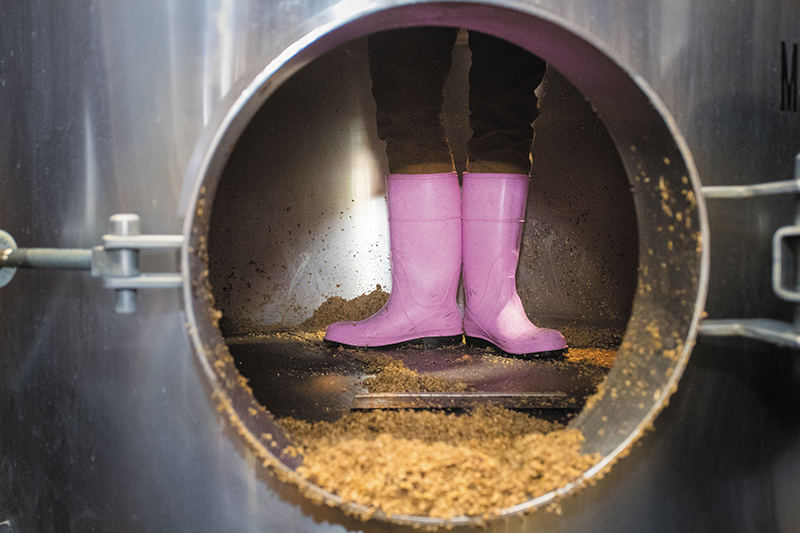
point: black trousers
(409, 67)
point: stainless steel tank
(245, 131)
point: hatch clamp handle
(785, 271)
(116, 261)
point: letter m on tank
(788, 77)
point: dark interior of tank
(300, 217)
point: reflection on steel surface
(101, 107)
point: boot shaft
(495, 197)
(423, 196)
(425, 237)
(493, 213)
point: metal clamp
(784, 263)
(785, 260)
(116, 261)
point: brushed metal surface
(109, 422)
(670, 213)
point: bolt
(126, 224)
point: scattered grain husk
(336, 309)
(601, 357)
(591, 337)
(390, 375)
(434, 463)
(437, 464)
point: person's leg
(409, 67)
(503, 105)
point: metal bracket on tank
(116, 261)
(785, 269)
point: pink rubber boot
(493, 211)
(425, 239)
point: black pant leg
(409, 67)
(502, 102)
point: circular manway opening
(290, 233)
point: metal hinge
(785, 272)
(116, 260)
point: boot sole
(428, 343)
(476, 342)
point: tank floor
(292, 375)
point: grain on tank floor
(439, 464)
(427, 463)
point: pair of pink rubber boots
(433, 227)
